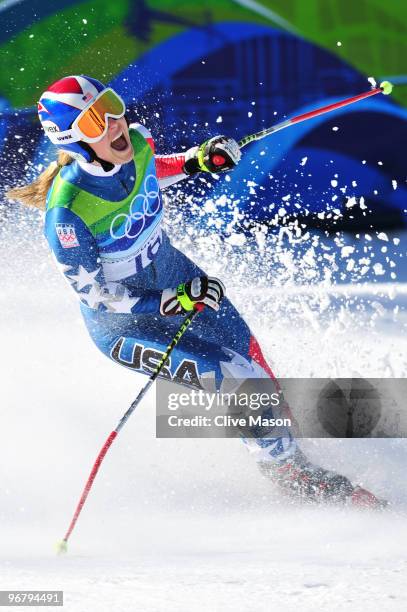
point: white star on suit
(83, 278)
(94, 297)
(123, 305)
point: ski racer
(103, 222)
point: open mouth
(120, 143)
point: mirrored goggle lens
(92, 123)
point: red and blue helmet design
(61, 104)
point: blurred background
(189, 70)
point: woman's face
(115, 147)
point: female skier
(103, 223)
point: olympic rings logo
(148, 204)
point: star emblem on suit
(122, 305)
(83, 278)
(94, 297)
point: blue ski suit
(119, 263)
(105, 231)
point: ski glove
(202, 289)
(217, 154)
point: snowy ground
(186, 525)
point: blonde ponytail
(35, 193)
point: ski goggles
(92, 123)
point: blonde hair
(35, 193)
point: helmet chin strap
(106, 166)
